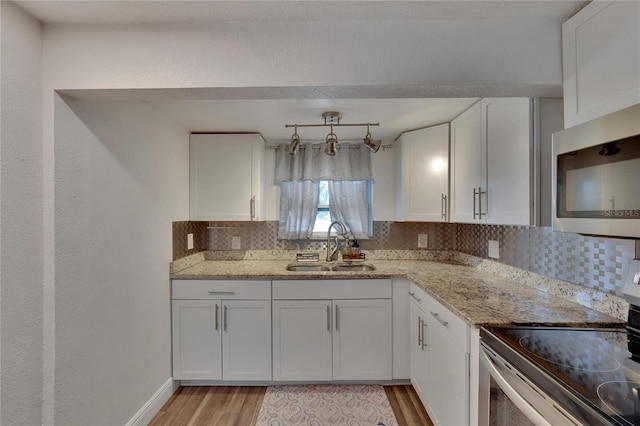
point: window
(323, 216)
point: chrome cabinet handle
(419, 331)
(424, 335)
(224, 320)
(217, 316)
(230, 293)
(412, 294)
(443, 206)
(252, 207)
(336, 317)
(440, 320)
(328, 318)
(480, 192)
(474, 203)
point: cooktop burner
(626, 408)
(567, 352)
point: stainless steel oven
(564, 375)
(596, 175)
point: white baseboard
(154, 404)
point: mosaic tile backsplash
(594, 262)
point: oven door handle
(513, 395)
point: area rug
(322, 405)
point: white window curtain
(349, 174)
(350, 205)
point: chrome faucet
(332, 254)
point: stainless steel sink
(353, 268)
(344, 267)
(308, 268)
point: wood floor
(240, 405)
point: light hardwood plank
(240, 406)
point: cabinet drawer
(419, 296)
(454, 327)
(222, 289)
(331, 289)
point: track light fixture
(332, 144)
(295, 142)
(374, 146)
(331, 119)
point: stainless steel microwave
(596, 176)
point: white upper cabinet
(226, 177)
(468, 170)
(422, 167)
(492, 163)
(509, 190)
(601, 60)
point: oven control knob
(636, 278)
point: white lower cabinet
(217, 337)
(439, 359)
(418, 349)
(447, 377)
(362, 339)
(197, 344)
(302, 340)
(332, 330)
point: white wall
(121, 178)
(21, 218)
(340, 53)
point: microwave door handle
(513, 395)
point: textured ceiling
(154, 11)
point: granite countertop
(477, 296)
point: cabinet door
(362, 339)
(467, 165)
(509, 161)
(224, 179)
(197, 352)
(423, 167)
(601, 60)
(246, 340)
(302, 340)
(418, 354)
(447, 386)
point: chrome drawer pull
(328, 318)
(424, 335)
(417, 299)
(224, 321)
(216, 317)
(440, 320)
(230, 293)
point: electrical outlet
(423, 240)
(189, 241)
(494, 249)
(235, 242)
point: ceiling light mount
(332, 119)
